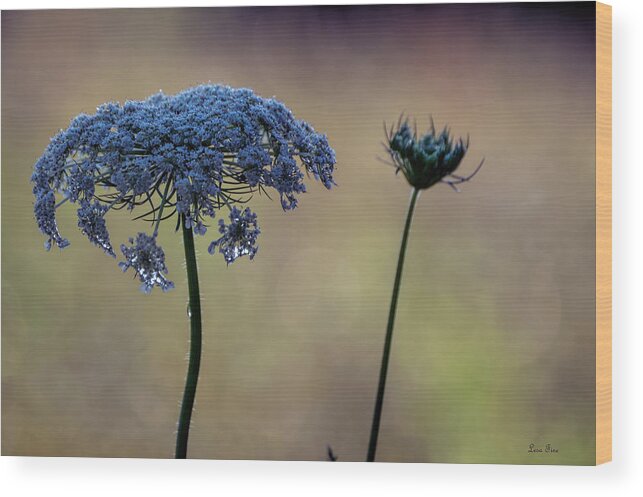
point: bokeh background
(494, 340)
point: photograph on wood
(320, 233)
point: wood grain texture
(603, 233)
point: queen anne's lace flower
(190, 154)
(239, 237)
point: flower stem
(195, 344)
(379, 401)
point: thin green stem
(160, 215)
(379, 401)
(195, 344)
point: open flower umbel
(427, 160)
(207, 148)
(190, 154)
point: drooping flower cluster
(239, 237)
(429, 159)
(190, 154)
(148, 261)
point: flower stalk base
(194, 312)
(379, 400)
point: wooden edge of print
(603, 233)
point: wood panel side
(603, 233)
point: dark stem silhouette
(379, 400)
(194, 311)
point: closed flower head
(428, 159)
(189, 155)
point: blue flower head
(428, 159)
(190, 154)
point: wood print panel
(495, 340)
(603, 233)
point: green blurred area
(494, 340)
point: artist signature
(546, 449)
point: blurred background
(494, 340)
